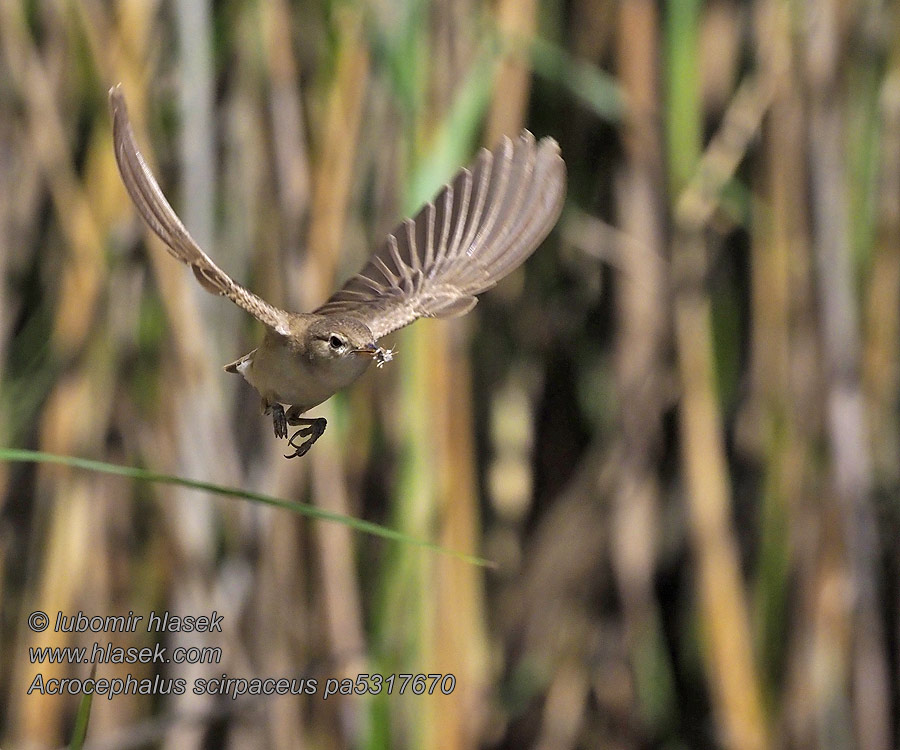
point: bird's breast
(284, 376)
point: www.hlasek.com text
(108, 653)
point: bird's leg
(279, 421)
(311, 431)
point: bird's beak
(379, 354)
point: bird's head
(343, 346)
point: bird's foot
(279, 421)
(308, 434)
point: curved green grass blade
(83, 717)
(311, 511)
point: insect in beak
(383, 355)
(378, 353)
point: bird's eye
(335, 342)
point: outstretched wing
(481, 226)
(153, 206)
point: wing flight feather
(481, 226)
(150, 202)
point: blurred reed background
(675, 430)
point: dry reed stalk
(408, 600)
(453, 618)
(845, 407)
(64, 566)
(283, 626)
(776, 240)
(22, 184)
(460, 646)
(454, 43)
(196, 120)
(60, 575)
(881, 353)
(881, 345)
(516, 22)
(552, 597)
(640, 345)
(197, 177)
(83, 270)
(335, 158)
(73, 541)
(456, 641)
(442, 622)
(732, 674)
(289, 140)
(700, 198)
(784, 391)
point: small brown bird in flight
(481, 226)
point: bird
(483, 224)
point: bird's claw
(279, 421)
(310, 434)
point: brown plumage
(481, 226)
(162, 219)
